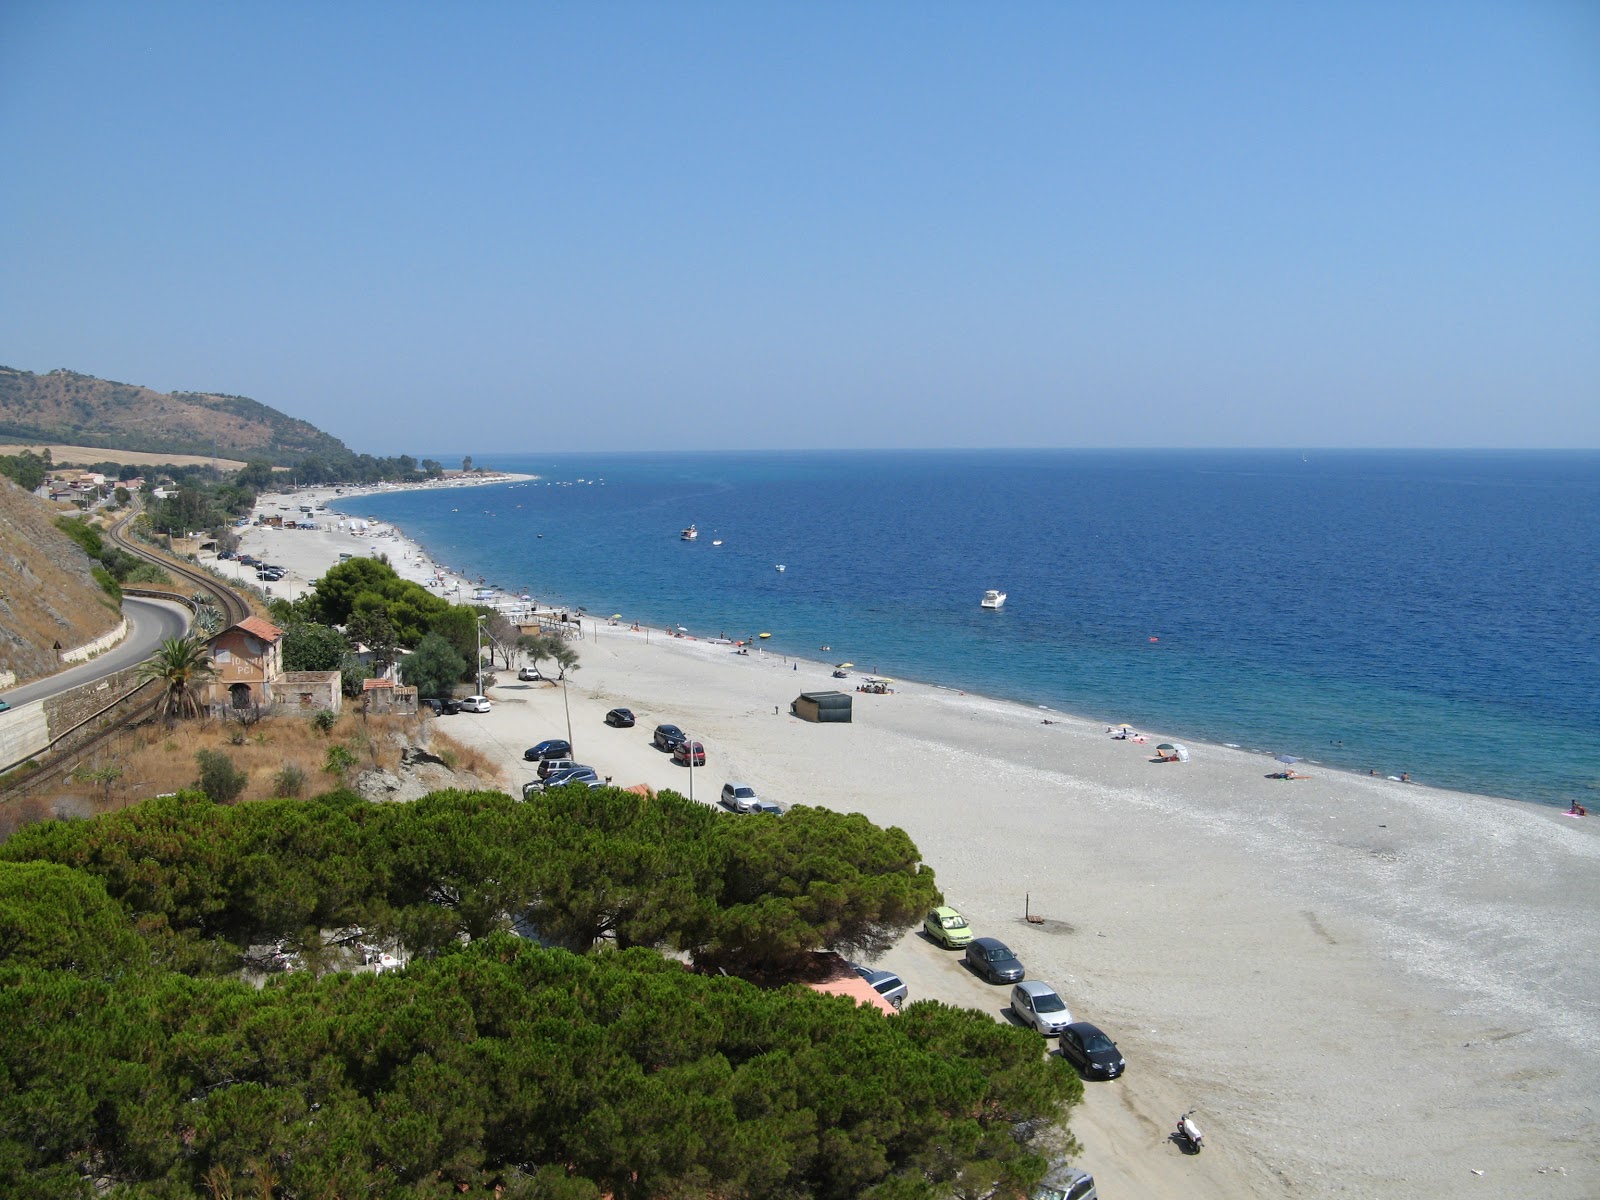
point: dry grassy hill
(46, 591)
(64, 406)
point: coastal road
(149, 622)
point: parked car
(475, 704)
(680, 754)
(669, 737)
(1035, 1003)
(446, 706)
(530, 675)
(1091, 1051)
(583, 777)
(225, 554)
(947, 927)
(620, 718)
(1062, 1182)
(587, 776)
(740, 797)
(549, 748)
(554, 766)
(771, 807)
(4, 706)
(886, 983)
(992, 959)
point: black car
(442, 707)
(669, 737)
(1091, 1051)
(992, 958)
(620, 718)
(549, 748)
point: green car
(947, 927)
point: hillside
(46, 592)
(63, 406)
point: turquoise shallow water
(1434, 613)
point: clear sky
(446, 228)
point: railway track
(233, 606)
(143, 702)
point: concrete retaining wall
(24, 731)
(90, 649)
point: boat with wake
(993, 599)
(689, 534)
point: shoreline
(1368, 987)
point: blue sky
(440, 229)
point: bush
(219, 778)
(289, 782)
(146, 572)
(338, 760)
(323, 719)
(107, 584)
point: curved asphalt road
(149, 621)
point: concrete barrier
(89, 649)
(24, 732)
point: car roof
(944, 910)
(1086, 1028)
(739, 787)
(1034, 987)
(874, 976)
(989, 943)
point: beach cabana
(822, 707)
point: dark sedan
(620, 718)
(1091, 1051)
(669, 737)
(992, 958)
(549, 748)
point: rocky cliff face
(47, 594)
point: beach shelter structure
(823, 707)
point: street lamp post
(566, 709)
(478, 629)
(689, 746)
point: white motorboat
(689, 534)
(778, 566)
(993, 599)
(718, 542)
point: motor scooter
(1188, 1134)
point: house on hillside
(248, 658)
(249, 662)
(384, 696)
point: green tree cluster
(489, 1064)
(27, 470)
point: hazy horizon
(573, 228)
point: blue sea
(1436, 613)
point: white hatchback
(475, 704)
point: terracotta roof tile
(263, 629)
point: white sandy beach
(1367, 988)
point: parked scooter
(1190, 1139)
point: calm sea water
(1435, 613)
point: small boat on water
(689, 534)
(993, 599)
(778, 566)
(717, 542)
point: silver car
(1035, 1003)
(886, 983)
(740, 797)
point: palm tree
(181, 665)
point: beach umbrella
(1166, 746)
(614, 616)
(842, 666)
(1124, 726)
(1288, 759)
